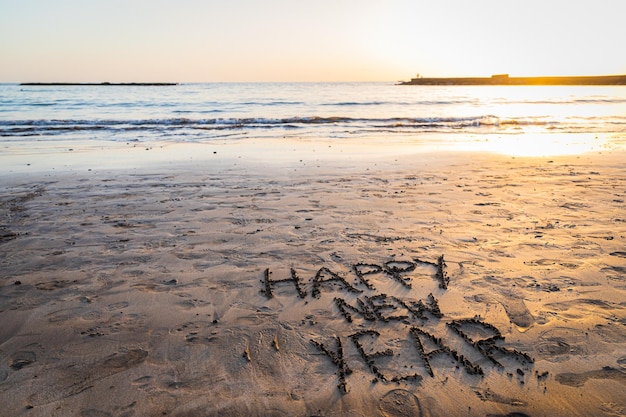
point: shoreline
(77, 155)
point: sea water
(205, 112)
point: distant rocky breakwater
(105, 84)
(504, 79)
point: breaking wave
(486, 123)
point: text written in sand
(376, 320)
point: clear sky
(316, 40)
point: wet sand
(464, 284)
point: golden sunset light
(372, 208)
(244, 40)
(529, 145)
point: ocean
(205, 112)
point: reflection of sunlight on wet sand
(90, 155)
(538, 144)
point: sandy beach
(326, 282)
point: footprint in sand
(125, 360)
(117, 306)
(92, 412)
(613, 409)
(557, 344)
(517, 311)
(514, 307)
(581, 307)
(75, 380)
(144, 383)
(54, 285)
(66, 314)
(21, 359)
(578, 380)
(400, 402)
(611, 332)
(489, 395)
(616, 273)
